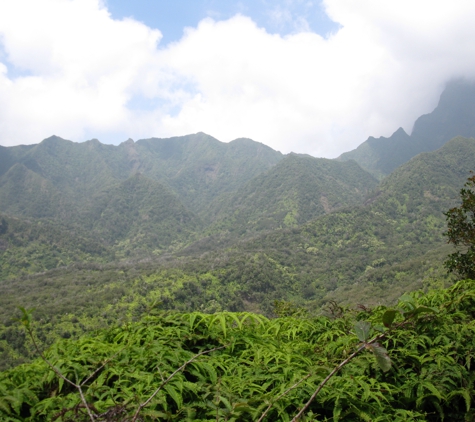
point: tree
(461, 232)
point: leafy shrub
(259, 364)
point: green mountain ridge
(367, 253)
(199, 168)
(296, 190)
(362, 254)
(101, 233)
(85, 186)
(82, 184)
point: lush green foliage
(114, 234)
(298, 189)
(96, 189)
(102, 236)
(364, 255)
(461, 232)
(431, 376)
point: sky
(314, 77)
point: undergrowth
(245, 367)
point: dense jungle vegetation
(188, 279)
(413, 362)
(366, 254)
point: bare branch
(282, 395)
(145, 403)
(59, 374)
(335, 370)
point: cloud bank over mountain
(67, 67)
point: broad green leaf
(222, 319)
(423, 309)
(236, 319)
(174, 394)
(5, 406)
(389, 316)
(419, 310)
(382, 357)
(465, 393)
(337, 410)
(243, 407)
(226, 403)
(408, 301)
(362, 329)
(157, 415)
(192, 320)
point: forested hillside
(298, 189)
(363, 254)
(199, 168)
(155, 196)
(89, 186)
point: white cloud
(80, 68)
(384, 67)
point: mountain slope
(196, 167)
(360, 255)
(199, 168)
(24, 192)
(88, 185)
(141, 215)
(54, 179)
(298, 189)
(453, 116)
(364, 254)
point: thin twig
(59, 374)
(342, 364)
(160, 372)
(145, 403)
(83, 399)
(282, 395)
(336, 369)
(102, 366)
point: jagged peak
(129, 141)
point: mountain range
(103, 231)
(153, 193)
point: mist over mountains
(453, 116)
